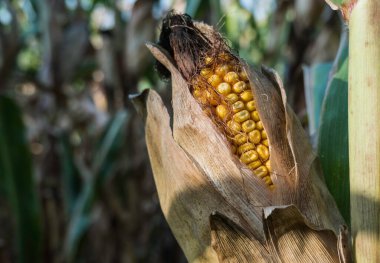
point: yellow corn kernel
(263, 152)
(222, 111)
(206, 72)
(209, 60)
(251, 105)
(241, 116)
(265, 142)
(239, 87)
(248, 126)
(249, 156)
(234, 127)
(264, 134)
(259, 125)
(214, 80)
(240, 139)
(255, 164)
(243, 75)
(267, 164)
(246, 95)
(224, 88)
(225, 56)
(197, 93)
(232, 97)
(254, 136)
(222, 70)
(238, 106)
(245, 147)
(261, 172)
(267, 180)
(271, 186)
(255, 116)
(212, 98)
(231, 77)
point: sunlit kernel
(239, 87)
(246, 95)
(251, 105)
(224, 88)
(222, 111)
(231, 77)
(263, 152)
(214, 80)
(222, 70)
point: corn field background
(75, 179)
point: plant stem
(364, 129)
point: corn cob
(221, 86)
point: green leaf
(71, 181)
(315, 80)
(108, 148)
(16, 179)
(333, 132)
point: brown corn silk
(217, 209)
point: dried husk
(217, 209)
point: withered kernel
(214, 80)
(267, 164)
(267, 180)
(261, 172)
(239, 87)
(251, 105)
(241, 116)
(254, 164)
(231, 77)
(238, 106)
(246, 95)
(249, 156)
(224, 88)
(254, 136)
(248, 126)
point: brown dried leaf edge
(196, 175)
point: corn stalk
(364, 129)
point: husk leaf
(197, 176)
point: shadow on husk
(218, 209)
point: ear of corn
(222, 88)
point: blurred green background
(75, 179)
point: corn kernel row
(223, 90)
